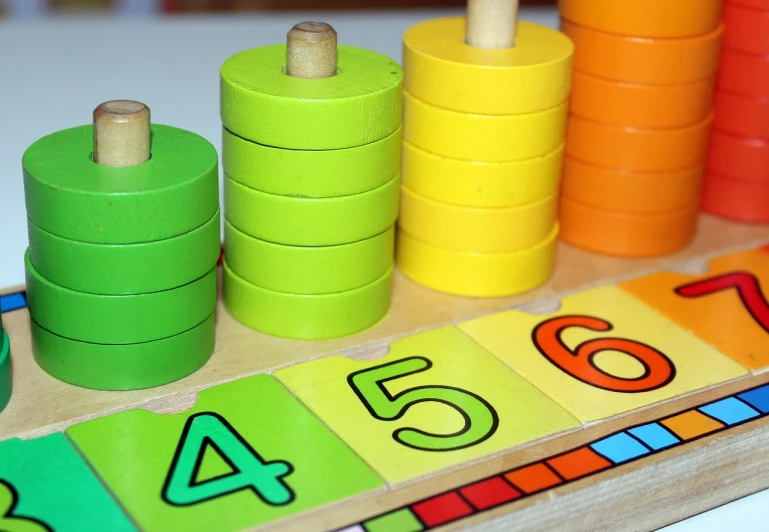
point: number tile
(239, 458)
(691, 425)
(403, 414)
(46, 486)
(726, 307)
(442, 509)
(580, 463)
(603, 353)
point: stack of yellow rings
(483, 148)
(312, 169)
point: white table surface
(53, 72)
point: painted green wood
(360, 105)
(311, 173)
(125, 269)
(246, 454)
(130, 319)
(70, 196)
(6, 373)
(308, 269)
(45, 486)
(124, 367)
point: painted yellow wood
(443, 70)
(360, 105)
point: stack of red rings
(737, 182)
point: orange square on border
(579, 463)
(533, 478)
(692, 424)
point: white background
(53, 72)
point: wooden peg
(121, 133)
(492, 24)
(311, 51)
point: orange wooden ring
(645, 18)
(739, 157)
(637, 150)
(636, 60)
(746, 29)
(646, 106)
(745, 201)
(744, 73)
(631, 192)
(746, 116)
(626, 235)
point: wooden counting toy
(311, 161)
(124, 239)
(339, 384)
(737, 181)
(484, 115)
(641, 112)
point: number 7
(481, 420)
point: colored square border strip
(15, 301)
(616, 449)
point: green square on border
(135, 452)
(47, 486)
(402, 520)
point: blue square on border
(655, 436)
(758, 398)
(620, 448)
(730, 411)
(12, 302)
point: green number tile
(248, 453)
(46, 486)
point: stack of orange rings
(641, 114)
(737, 181)
(484, 134)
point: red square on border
(489, 493)
(442, 509)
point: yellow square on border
(585, 385)
(436, 401)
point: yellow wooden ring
(442, 69)
(477, 230)
(311, 173)
(475, 274)
(477, 184)
(477, 137)
(311, 221)
(307, 317)
(308, 269)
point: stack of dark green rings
(6, 381)
(121, 265)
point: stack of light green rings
(311, 185)
(121, 265)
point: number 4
(249, 470)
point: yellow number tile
(437, 400)
(603, 353)
(726, 307)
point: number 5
(480, 418)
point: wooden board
(623, 482)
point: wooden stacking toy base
(6, 381)
(736, 199)
(626, 235)
(476, 274)
(124, 367)
(306, 317)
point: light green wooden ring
(125, 269)
(6, 377)
(308, 269)
(311, 221)
(124, 367)
(130, 319)
(360, 105)
(69, 195)
(311, 173)
(306, 317)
